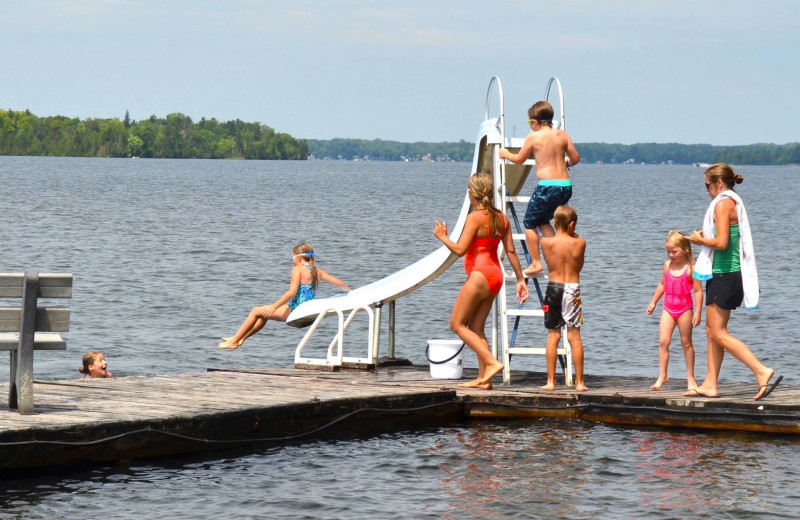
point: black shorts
(562, 305)
(725, 290)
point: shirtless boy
(553, 151)
(564, 254)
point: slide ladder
(508, 181)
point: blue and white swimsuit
(305, 293)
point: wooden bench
(29, 327)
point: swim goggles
(291, 259)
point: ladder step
(541, 275)
(517, 198)
(537, 351)
(525, 312)
(518, 236)
(528, 162)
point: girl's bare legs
(665, 329)
(478, 325)
(720, 340)
(685, 330)
(254, 322)
(472, 306)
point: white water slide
(370, 299)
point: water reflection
(560, 469)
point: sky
(721, 72)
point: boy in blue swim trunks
(553, 152)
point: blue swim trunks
(547, 196)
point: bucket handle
(428, 351)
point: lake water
(169, 255)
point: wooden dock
(105, 420)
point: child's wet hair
(305, 250)
(563, 216)
(88, 359)
(681, 241)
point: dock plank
(185, 413)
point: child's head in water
(678, 245)
(94, 365)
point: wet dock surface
(86, 421)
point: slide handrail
(501, 120)
(560, 99)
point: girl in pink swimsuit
(486, 227)
(680, 307)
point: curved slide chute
(367, 299)
(387, 289)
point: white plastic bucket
(445, 356)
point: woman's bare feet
(471, 384)
(491, 371)
(581, 387)
(764, 388)
(701, 392)
(549, 387)
(660, 381)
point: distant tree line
(690, 153)
(380, 150)
(175, 137)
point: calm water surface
(170, 255)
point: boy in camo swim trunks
(564, 254)
(553, 151)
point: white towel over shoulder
(747, 256)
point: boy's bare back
(564, 254)
(548, 147)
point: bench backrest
(48, 319)
(50, 285)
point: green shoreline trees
(648, 153)
(177, 136)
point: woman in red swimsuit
(485, 229)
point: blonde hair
(563, 216)
(88, 359)
(480, 186)
(681, 241)
(724, 172)
(305, 250)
